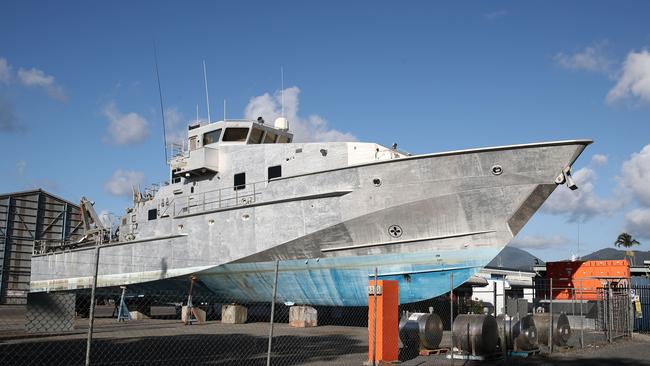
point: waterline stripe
(395, 242)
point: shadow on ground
(230, 349)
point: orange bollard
(386, 347)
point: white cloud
(37, 78)
(582, 204)
(591, 58)
(5, 71)
(637, 223)
(636, 175)
(495, 14)
(634, 80)
(539, 242)
(124, 129)
(305, 129)
(21, 167)
(122, 182)
(176, 126)
(599, 160)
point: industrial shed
(31, 221)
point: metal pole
(610, 313)
(374, 321)
(91, 316)
(505, 315)
(451, 313)
(582, 319)
(550, 310)
(275, 290)
(494, 294)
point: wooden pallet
(433, 352)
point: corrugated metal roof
(37, 190)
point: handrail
(243, 195)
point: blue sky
(79, 112)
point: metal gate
(614, 312)
(641, 311)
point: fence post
(582, 319)
(451, 313)
(275, 290)
(374, 321)
(91, 315)
(494, 294)
(550, 310)
(610, 313)
(505, 315)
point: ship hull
(344, 281)
(416, 220)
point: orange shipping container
(584, 277)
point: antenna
(207, 97)
(162, 110)
(578, 239)
(224, 110)
(197, 112)
(282, 88)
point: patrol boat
(243, 195)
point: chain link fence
(192, 325)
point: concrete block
(136, 315)
(234, 314)
(199, 314)
(303, 317)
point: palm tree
(625, 240)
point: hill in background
(514, 258)
(612, 254)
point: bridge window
(283, 139)
(211, 137)
(256, 136)
(270, 137)
(240, 181)
(153, 214)
(275, 171)
(235, 134)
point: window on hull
(283, 139)
(211, 137)
(270, 137)
(275, 172)
(233, 134)
(240, 181)
(256, 136)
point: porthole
(245, 217)
(497, 170)
(376, 182)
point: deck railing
(221, 198)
